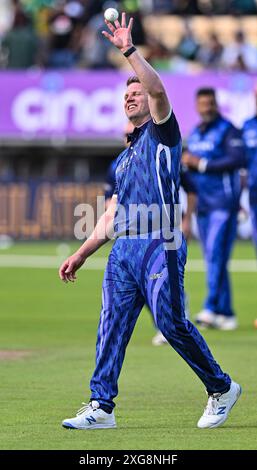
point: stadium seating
(169, 29)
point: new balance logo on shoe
(91, 419)
(221, 410)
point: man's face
(136, 103)
(207, 108)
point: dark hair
(133, 79)
(206, 92)
(21, 20)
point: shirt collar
(137, 132)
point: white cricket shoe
(206, 318)
(226, 323)
(159, 339)
(219, 406)
(91, 416)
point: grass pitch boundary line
(47, 262)
(98, 264)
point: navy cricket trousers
(217, 230)
(139, 272)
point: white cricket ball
(111, 14)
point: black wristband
(129, 51)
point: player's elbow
(239, 162)
(158, 92)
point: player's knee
(173, 329)
(182, 327)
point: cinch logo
(91, 420)
(35, 110)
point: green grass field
(160, 399)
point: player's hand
(70, 266)
(121, 33)
(190, 160)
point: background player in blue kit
(250, 139)
(215, 153)
(146, 263)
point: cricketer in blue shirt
(187, 184)
(215, 154)
(250, 139)
(146, 263)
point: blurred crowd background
(175, 35)
(56, 140)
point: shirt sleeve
(234, 153)
(167, 131)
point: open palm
(121, 34)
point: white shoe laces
(85, 407)
(212, 404)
